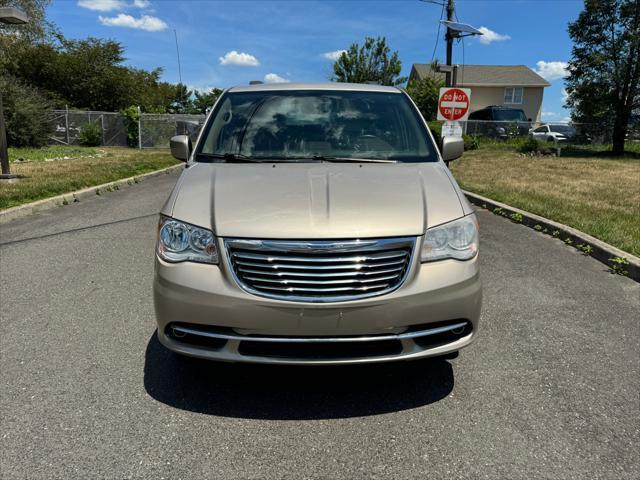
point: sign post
(453, 107)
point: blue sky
(224, 43)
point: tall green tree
(205, 100)
(14, 38)
(371, 62)
(36, 29)
(182, 101)
(90, 74)
(604, 70)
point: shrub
(26, 113)
(528, 145)
(425, 94)
(471, 142)
(436, 128)
(130, 115)
(90, 135)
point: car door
(540, 133)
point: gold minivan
(316, 224)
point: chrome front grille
(320, 271)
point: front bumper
(243, 327)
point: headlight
(182, 242)
(457, 239)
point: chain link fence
(154, 130)
(67, 125)
(157, 129)
(551, 132)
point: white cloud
(242, 59)
(274, 78)
(566, 120)
(552, 70)
(333, 56)
(146, 22)
(565, 95)
(110, 5)
(549, 114)
(489, 36)
(102, 5)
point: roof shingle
(488, 75)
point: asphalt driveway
(551, 389)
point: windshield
(562, 129)
(315, 126)
(509, 115)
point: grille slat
(350, 266)
(318, 274)
(320, 271)
(318, 258)
(326, 290)
(320, 282)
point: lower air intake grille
(320, 271)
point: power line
(435, 47)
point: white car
(555, 133)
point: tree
(205, 100)
(604, 70)
(15, 38)
(36, 29)
(182, 102)
(425, 94)
(89, 74)
(370, 62)
(28, 120)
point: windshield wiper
(227, 157)
(352, 159)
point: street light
(10, 16)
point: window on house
(513, 95)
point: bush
(425, 94)
(528, 145)
(130, 115)
(90, 135)
(26, 113)
(471, 142)
(436, 128)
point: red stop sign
(453, 104)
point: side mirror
(180, 147)
(452, 148)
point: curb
(71, 197)
(589, 245)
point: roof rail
(256, 82)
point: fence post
(66, 123)
(139, 129)
(102, 128)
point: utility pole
(449, 39)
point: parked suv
(316, 224)
(499, 122)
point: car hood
(315, 200)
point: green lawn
(55, 170)
(598, 195)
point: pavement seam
(600, 250)
(67, 198)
